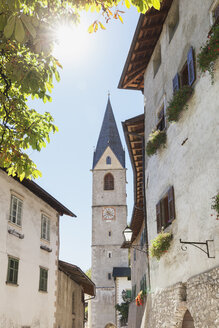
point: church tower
(109, 219)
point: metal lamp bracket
(196, 243)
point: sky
(92, 66)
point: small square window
(43, 280)
(45, 227)
(157, 60)
(161, 124)
(174, 20)
(73, 303)
(184, 77)
(13, 265)
(16, 210)
(165, 210)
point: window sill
(43, 291)
(11, 284)
(15, 225)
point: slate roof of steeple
(109, 136)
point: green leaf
(26, 20)
(156, 4)
(91, 28)
(127, 3)
(19, 31)
(9, 28)
(120, 18)
(102, 26)
(3, 22)
(57, 76)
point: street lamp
(127, 233)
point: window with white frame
(45, 227)
(16, 210)
(214, 12)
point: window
(133, 292)
(108, 182)
(108, 160)
(134, 255)
(109, 255)
(174, 20)
(73, 323)
(12, 276)
(16, 210)
(187, 74)
(161, 125)
(165, 210)
(110, 233)
(109, 276)
(43, 279)
(45, 227)
(143, 285)
(214, 12)
(73, 303)
(157, 60)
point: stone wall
(200, 295)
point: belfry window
(109, 182)
(108, 160)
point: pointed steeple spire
(109, 136)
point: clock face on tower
(108, 213)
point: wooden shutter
(171, 204)
(191, 67)
(176, 83)
(158, 214)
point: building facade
(29, 249)
(109, 217)
(181, 179)
(73, 286)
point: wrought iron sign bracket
(196, 243)
(139, 249)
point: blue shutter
(176, 83)
(191, 68)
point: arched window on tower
(109, 182)
(108, 160)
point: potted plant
(139, 300)
(178, 103)
(209, 53)
(156, 140)
(160, 244)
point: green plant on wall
(156, 140)
(178, 103)
(123, 308)
(209, 53)
(160, 244)
(215, 205)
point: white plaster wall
(191, 168)
(122, 284)
(24, 305)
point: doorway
(188, 321)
